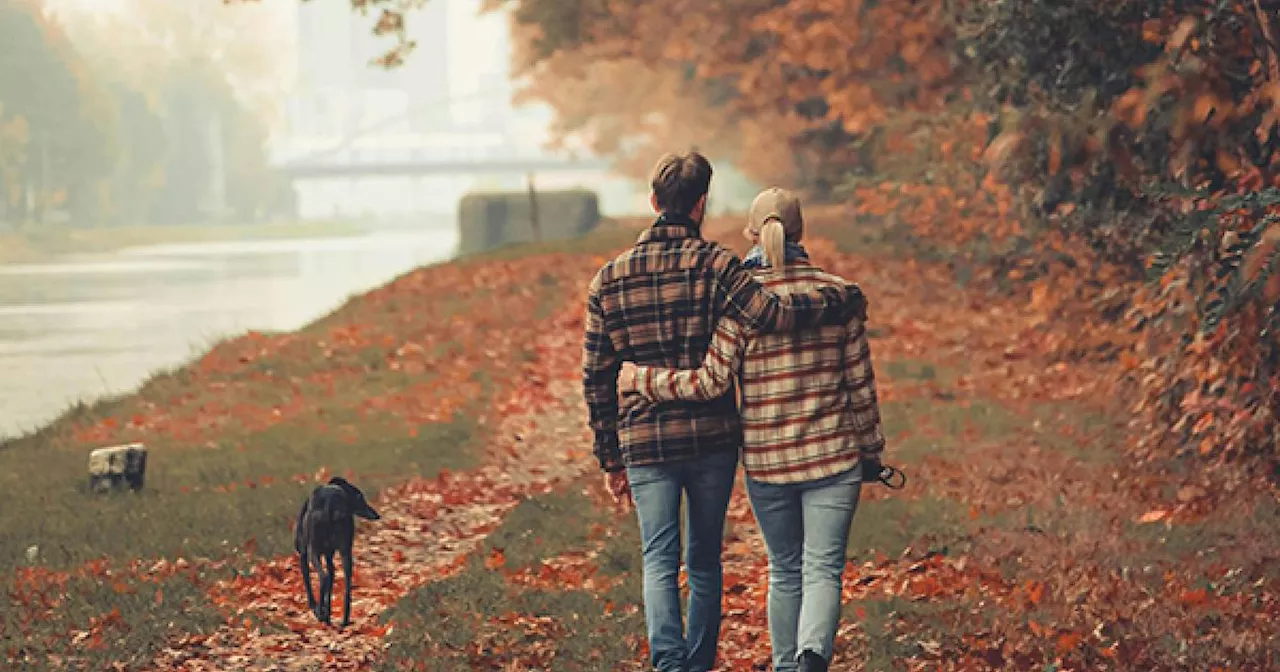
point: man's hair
(679, 180)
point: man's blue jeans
(806, 529)
(706, 481)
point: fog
(129, 125)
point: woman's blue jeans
(706, 482)
(806, 529)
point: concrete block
(114, 466)
(490, 220)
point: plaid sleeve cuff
(644, 383)
(873, 450)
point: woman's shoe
(812, 662)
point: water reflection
(85, 326)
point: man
(658, 304)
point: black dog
(327, 525)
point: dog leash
(892, 477)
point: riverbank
(399, 383)
(1024, 539)
(404, 363)
(42, 245)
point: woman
(811, 433)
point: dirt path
(427, 529)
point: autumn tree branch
(1273, 64)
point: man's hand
(871, 469)
(630, 399)
(856, 303)
(619, 488)
(875, 472)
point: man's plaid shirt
(809, 407)
(658, 305)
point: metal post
(533, 212)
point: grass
(202, 501)
(879, 619)
(888, 237)
(609, 236)
(910, 369)
(478, 620)
(874, 237)
(921, 424)
(1085, 434)
(233, 487)
(945, 427)
(891, 526)
(1234, 539)
(43, 243)
(98, 628)
(920, 427)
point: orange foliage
(866, 60)
(758, 82)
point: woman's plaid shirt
(809, 407)
(658, 304)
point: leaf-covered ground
(1025, 538)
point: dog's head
(359, 507)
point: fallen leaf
(1153, 516)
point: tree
(199, 82)
(13, 157)
(69, 121)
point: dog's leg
(328, 587)
(346, 573)
(324, 589)
(304, 561)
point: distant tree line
(89, 142)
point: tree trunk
(39, 194)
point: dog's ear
(361, 506)
(352, 492)
(366, 511)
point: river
(81, 327)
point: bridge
(338, 175)
(438, 166)
(412, 154)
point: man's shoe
(812, 662)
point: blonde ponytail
(773, 238)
